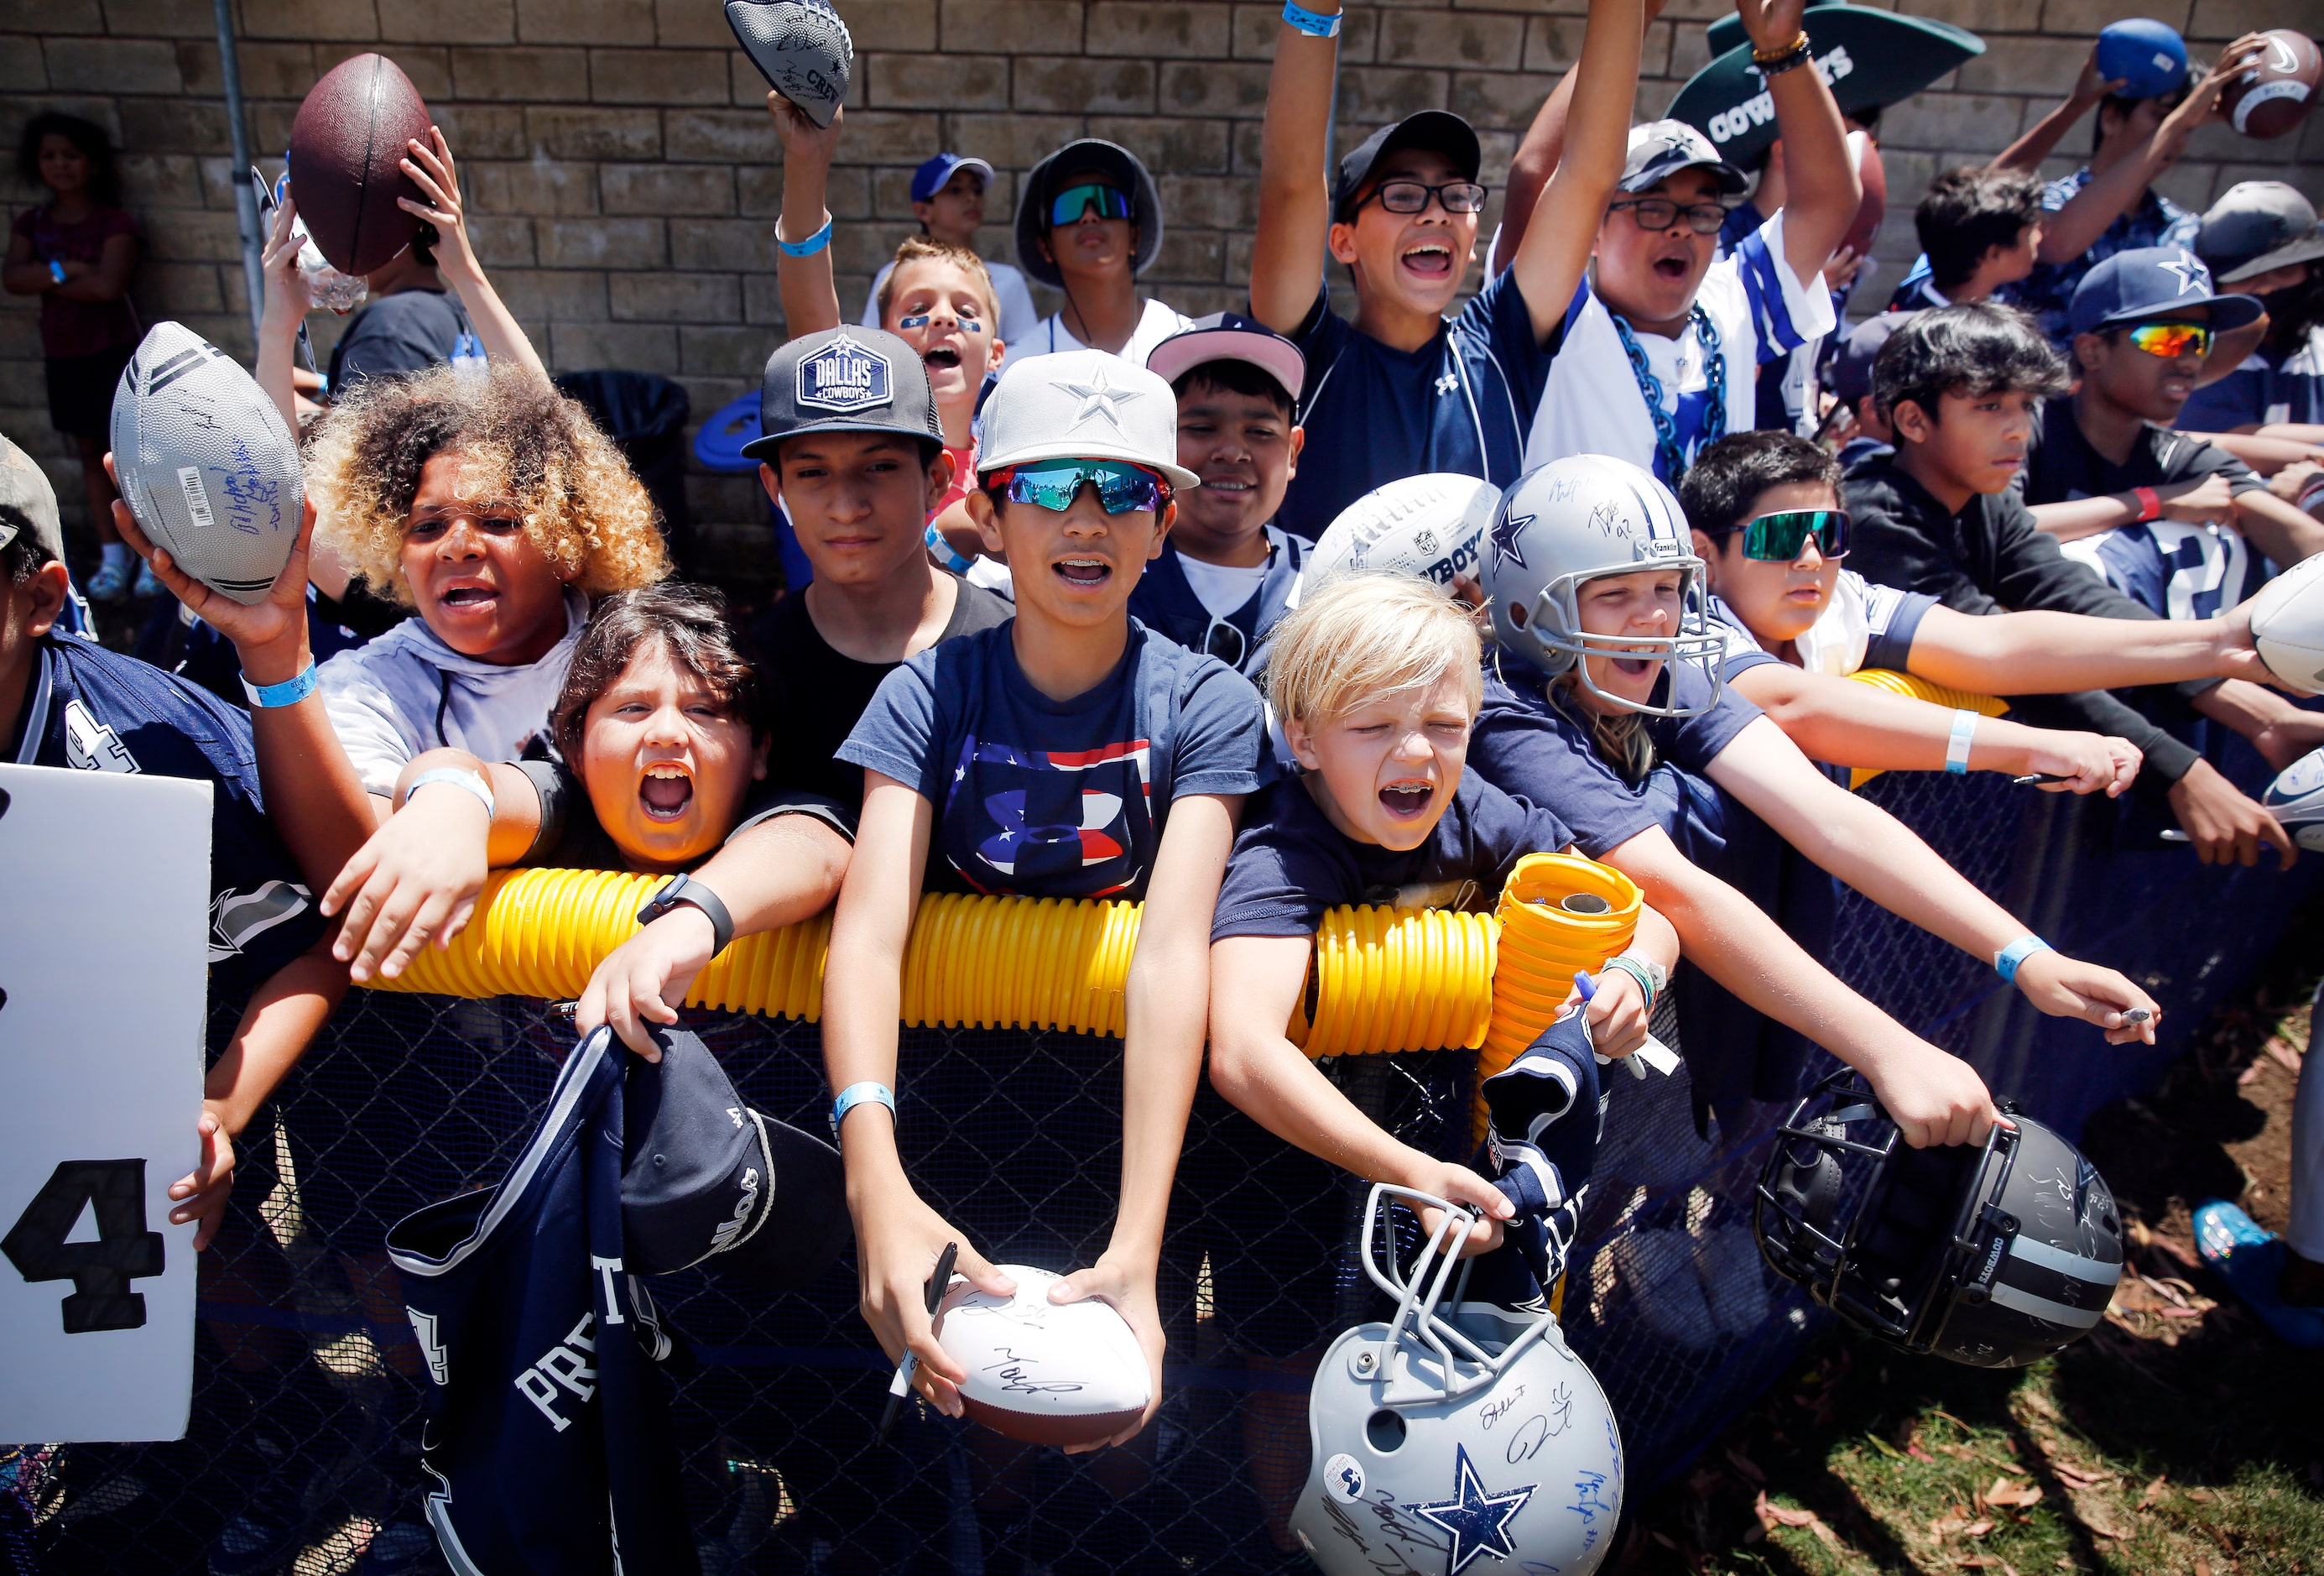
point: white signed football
(1044, 1372)
(2287, 626)
(2296, 798)
(206, 463)
(1432, 525)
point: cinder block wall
(625, 177)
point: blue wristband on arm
(808, 247)
(2006, 962)
(1957, 746)
(1314, 24)
(288, 692)
(858, 1094)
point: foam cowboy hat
(1872, 58)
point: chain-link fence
(304, 1450)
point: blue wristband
(459, 777)
(1314, 24)
(2006, 962)
(859, 1094)
(288, 692)
(1956, 748)
(947, 555)
(808, 247)
(56, 270)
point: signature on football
(1016, 1380)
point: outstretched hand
(800, 136)
(897, 1247)
(288, 298)
(429, 165)
(201, 1193)
(1772, 24)
(645, 978)
(1129, 1288)
(2068, 988)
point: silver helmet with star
(1460, 1435)
(1583, 518)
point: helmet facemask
(1425, 1355)
(1552, 637)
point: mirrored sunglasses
(2171, 340)
(1070, 205)
(1122, 488)
(1782, 536)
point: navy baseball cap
(705, 1178)
(846, 379)
(1438, 131)
(929, 178)
(2152, 281)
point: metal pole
(245, 201)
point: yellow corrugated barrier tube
(1384, 979)
(1915, 687)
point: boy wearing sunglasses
(1962, 388)
(1089, 222)
(1764, 508)
(2107, 476)
(1408, 385)
(1068, 753)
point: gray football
(801, 47)
(205, 464)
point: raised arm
(286, 304)
(1823, 191)
(1294, 194)
(2028, 151)
(1548, 261)
(429, 165)
(1878, 856)
(810, 298)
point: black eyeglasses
(1659, 213)
(1412, 196)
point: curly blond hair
(528, 445)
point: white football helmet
(1579, 519)
(1439, 1439)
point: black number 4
(100, 1271)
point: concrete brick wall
(625, 177)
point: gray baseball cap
(24, 487)
(2256, 227)
(846, 379)
(1660, 149)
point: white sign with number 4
(104, 967)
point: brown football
(2272, 96)
(347, 146)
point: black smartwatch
(686, 889)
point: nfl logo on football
(842, 376)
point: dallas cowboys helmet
(1579, 519)
(1441, 1438)
(1992, 1257)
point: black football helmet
(1992, 1257)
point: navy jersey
(1042, 798)
(1290, 862)
(94, 710)
(547, 1440)
(1165, 603)
(2272, 385)
(1373, 414)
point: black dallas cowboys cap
(705, 1178)
(1438, 131)
(846, 379)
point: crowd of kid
(1060, 639)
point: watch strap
(686, 889)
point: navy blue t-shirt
(1461, 403)
(1042, 798)
(1525, 745)
(93, 710)
(1290, 862)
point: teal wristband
(2006, 962)
(1956, 748)
(860, 1094)
(288, 692)
(1314, 24)
(808, 247)
(1638, 972)
(947, 555)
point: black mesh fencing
(303, 1454)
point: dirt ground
(2181, 1436)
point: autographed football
(2287, 626)
(2272, 95)
(801, 47)
(1432, 525)
(345, 162)
(1047, 1373)
(2296, 798)
(205, 464)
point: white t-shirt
(1018, 316)
(1156, 323)
(1222, 588)
(1864, 626)
(1592, 403)
(408, 692)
